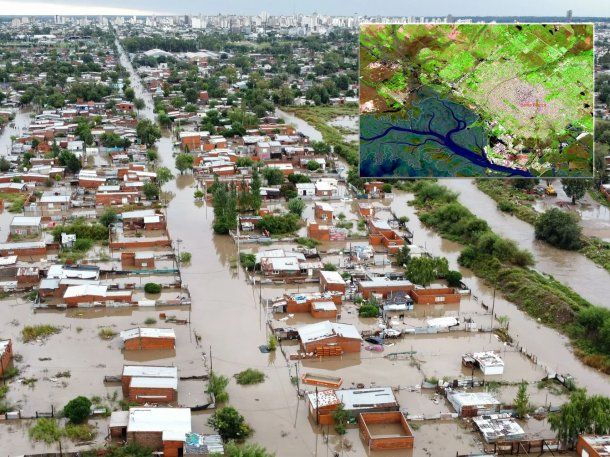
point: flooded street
(571, 268)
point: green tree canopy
(559, 228)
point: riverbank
(320, 117)
(503, 265)
(520, 204)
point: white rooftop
(326, 329)
(175, 421)
(147, 332)
(150, 371)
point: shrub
(296, 206)
(250, 376)
(368, 310)
(217, 385)
(229, 424)
(307, 242)
(278, 225)
(46, 430)
(272, 342)
(150, 321)
(453, 278)
(559, 229)
(79, 432)
(248, 261)
(185, 257)
(312, 165)
(78, 409)
(33, 332)
(106, 333)
(152, 288)
(82, 245)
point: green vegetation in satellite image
(490, 100)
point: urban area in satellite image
(455, 100)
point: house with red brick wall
(159, 429)
(368, 422)
(380, 233)
(324, 212)
(90, 293)
(142, 260)
(329, 338)
(150, 384)
(145, 338)
(435, 295)
(23, 249)
(383, 286)
(6, 355)
(332, 281)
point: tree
(198, 194)
(147, 132)
(151, 190)
(78, 409)
(164, 175)
(522, 400)
(559, 228)
(453, 278)
(129, 93)
(421, 270)
(184, 161)
(70, 161)
(139, 103)
(255, 190)
(403, 256)
(312, 165)
(225, 208)
(575, 188)
(296, 206)
(340, 418)
(274, 176)
(229, 424)
(152, 155)
(581, 415)
(109, 216)
(152, 288)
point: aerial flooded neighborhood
(191, 264)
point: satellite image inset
(468, 100)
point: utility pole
(493, 306)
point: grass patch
(249, 376)
(46, 430)
(106, 333)
(307, 242)
(34, 332)
(79, 432)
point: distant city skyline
(327, 7)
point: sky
(600, 8)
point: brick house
(323, 211)
(23, 249)
(150, 384)
(159, 429)
(383, 286)
(332, 281)
(355, 402)
(401, 439)
(329, 338)
(6, 355)
(144, 338)
(144, 260)
(90, 293)
(380, 233)
(435, 295)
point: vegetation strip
(501, 263)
